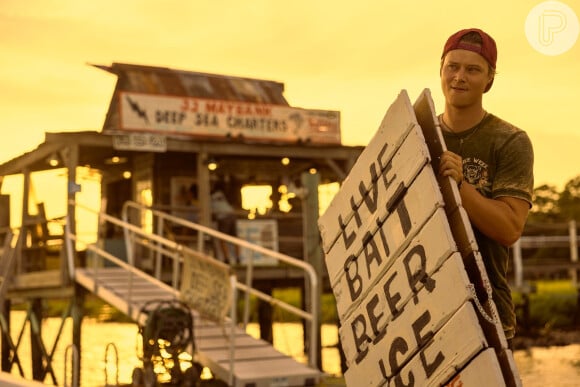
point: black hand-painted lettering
(348, 239)
(392, 299)
(420, 274)
(361, 338)
(385, 168)
(370, 201)
(422, 339)
(399, 346)
(371, 253)
(353, 278)
(404, 217)
(383, 239)
(374, 319)
(354, 208)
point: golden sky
(349, 56)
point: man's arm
(500, 219)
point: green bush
(552, 304)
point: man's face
(464, 77)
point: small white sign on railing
(262, 232)
(206, 286)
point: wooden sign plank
(379, 201)
(464, 236)
(508, 367)
(427, 119)
(460, 340)
(483, 368)
(396, 232)
(398, 285)
(435, 243)
(378, 351)
(397, 122)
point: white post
(518, 265)
(573, 251)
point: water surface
(551, 366)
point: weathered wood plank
(381, 200)
(427, 119)
(417, 267)
(450, 349)
(395, 233)
(370, 343)
(484, 367)
(441, 354)
(435, 243)
(398, 120)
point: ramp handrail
(132, 271)
(247, 288)
(174, 251)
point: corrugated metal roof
(166, 81)
(163, 80)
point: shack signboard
(188, 116)
(412, 294)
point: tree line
(551, 206)
(551, 213)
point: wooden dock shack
(169, 133)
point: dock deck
(255, 362)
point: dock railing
(137, 237)
(548, 241)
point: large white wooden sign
(173, 115)
(413, 298)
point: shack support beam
(312, 250)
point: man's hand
(451, 164)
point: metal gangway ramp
(209, 285)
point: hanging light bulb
(211, 164)
(53, 160)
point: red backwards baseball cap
(487, 49)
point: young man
(490, 159)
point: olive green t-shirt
(498, 161)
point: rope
(493, 319)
